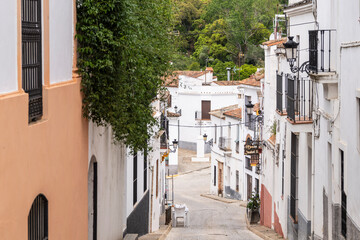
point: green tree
(124, 51)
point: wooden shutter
(205, 109)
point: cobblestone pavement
(209, 219)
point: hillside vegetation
(222, 34)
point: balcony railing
(225, 143)
(279, 92)
(299, 99)
(320, 45)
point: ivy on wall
(123, 53)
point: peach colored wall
(265, 208)
(49, 157)
(277, 225)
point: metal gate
(31, 56)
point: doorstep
(262, 231)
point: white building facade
(311, 160)
(232, 175)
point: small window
(237, 181)
(38, 219)
(248, 164)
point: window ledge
(329, 80)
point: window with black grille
(38, 219)
(294, 177)
(31, 56)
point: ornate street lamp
(249, 108)
(291, 53)
(205, 138)
(174, 145)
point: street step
(131, 237)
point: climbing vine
(123, 53)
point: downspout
(151, 199)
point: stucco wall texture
(266, 207)
(48, 157)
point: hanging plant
(123, 53)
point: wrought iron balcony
(320, 46)
(299, 97)
(225, 143)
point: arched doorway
(38, 219)
(92, 199)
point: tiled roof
(298, 4)
(235, 113)
(274, 42)
(171, 114)
(173, 80)
(220, 112)
(253, 80)
(256, 107)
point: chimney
(228, 73)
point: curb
(164, 235)
(224, 200)
(191, 171)
(257, 232)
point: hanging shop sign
(250, 148)
(254, 160)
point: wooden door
(220, 177)
(249, 186)
(205, 109)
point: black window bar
(293, 177)
(279, 92)
(38, 219)
(290, 108)
(299, 98)
(320, 45)
(31, 56)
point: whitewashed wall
(8, 46)
(111, 182)
(61, 40)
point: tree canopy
(223, 33)
(124, 52)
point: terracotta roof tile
(274, 42)
(272, 139)
(173, 80)
(253, 80)
(235, 113)
(220, 112)
(171, 114)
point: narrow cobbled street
(209, 219)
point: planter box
(253, 216)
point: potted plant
(253, 208)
